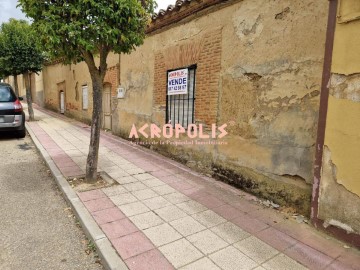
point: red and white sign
(178, 82)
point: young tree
(87, 30)
(20, 54)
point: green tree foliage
(20, 54)
(85, 29)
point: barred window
(180, 107)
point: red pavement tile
(44, 137)
(132, 245)
(98, 204)
(71, 171)
(188, 176)
(60, 157)
(276, 239)
(150, 260)
(180, 186)
(250, 224)
(308, 256)
(350, 258)
(174, 170)
(108, 215)
(294, 229)
(245, 206)
(66, 163)
(55, 151)
(169, 179)
(118, 228)
(267, 215)
(63, 157)
(161, 173)
(195, 192)
(148, 167)
(326, 246)
(336, 265)
(91, 195)
(210, 201)
(49, 145)
(228, 212)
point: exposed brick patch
(112, 77)
(160, 80)
(207, 55)
(207, 79)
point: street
(37, 228)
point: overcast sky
(8, 9)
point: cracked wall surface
(338, 207)
(346, 56)
(340, 180)
(269, 85)
(339, 197)
(259, 68)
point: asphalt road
(37, 229)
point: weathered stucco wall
(339, 198)
(259, 67)
(346, 57)
(39, 89)
(71, 79)
(137, 76)
(268, 85)
(271, 84)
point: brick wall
(159, 80)
(207, 79)
(206, 53)
(112, 77)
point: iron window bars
(180, 108)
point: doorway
(62, 102)
(106, 115)
(61, 87)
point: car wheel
(21, 133)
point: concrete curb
(110, 259)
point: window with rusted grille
(180, 108)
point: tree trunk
(92, 159)
(28, 96)
(16, 85)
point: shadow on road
(8, 135)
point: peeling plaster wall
(340, 181)
(269, 57)
(53, 75)
(346, 56)
(337, 207)
(137, 76)
(39, 89)
(343, 140)
(71, 78)
(339, 198)
(37, 86)
(269, 85)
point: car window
(6, 94)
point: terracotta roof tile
(179, 11)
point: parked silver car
(12, 117)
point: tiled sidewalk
(162, 215)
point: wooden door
(62, 102)
(106, 108)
